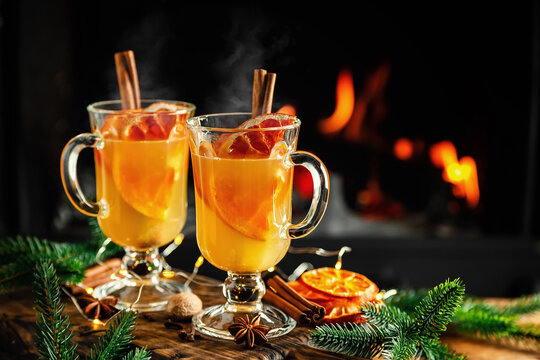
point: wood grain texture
(17, 319)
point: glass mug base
(215, 320)
(143, 289)
(153, 296)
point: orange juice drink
(144, 187)
(243, 174)
(242, 208)
(141, 165)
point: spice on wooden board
(249, 331)
(303, 311)
(183, 306)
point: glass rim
(97, 107)
(191, 125)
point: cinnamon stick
(289, 300)
(286, 289)
(108, 265)
(128, 80)
(269, 93)
(273, 299)
(263, 92)
(101, 274)
(259, 76)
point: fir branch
(484, 321)
(433, 349)
(385, 316)
(117, 338)
(20, 255)
(400, 335)
(524, 305)
(53, 330)
(437, 309)
(138, 354)
(350, 339)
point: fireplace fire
(356, 119)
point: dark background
(463, 72)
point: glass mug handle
(321, 189)
(68, 171)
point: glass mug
(141, 163)
(243, 175)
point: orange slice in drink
(144, 170)
(254, 144)
(172, 124)
(158, 121)
(232, 196)
(340, 283)
(144, 173)
(250, 216)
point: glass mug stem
(68, 172)
(321, 190)
(143, 267)
(243, 292)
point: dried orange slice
(339, 309)
(254, 144)
(340, 283)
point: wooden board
(17, 319)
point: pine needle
(527, 304)
(350, 339)
(138, 354)
(438, 307)
(20, 255)
(485, 321)
(117, 338)
(53, 329)
(394, 334)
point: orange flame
(443, 154)
(344, 105)
(369, 101)
(461, 173)
(350, 112)
(287, 109)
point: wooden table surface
(17, 319)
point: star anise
(250, 331)
(101, 309)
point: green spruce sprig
(138, 354)
(53, 330)
(485, 321)
(479, 319)
(394, 334)
(117, 338)
(352, 339)
(20, 255)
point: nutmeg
(183, 306)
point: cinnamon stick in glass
(270, 83)
(259, 76)
(128, 80)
